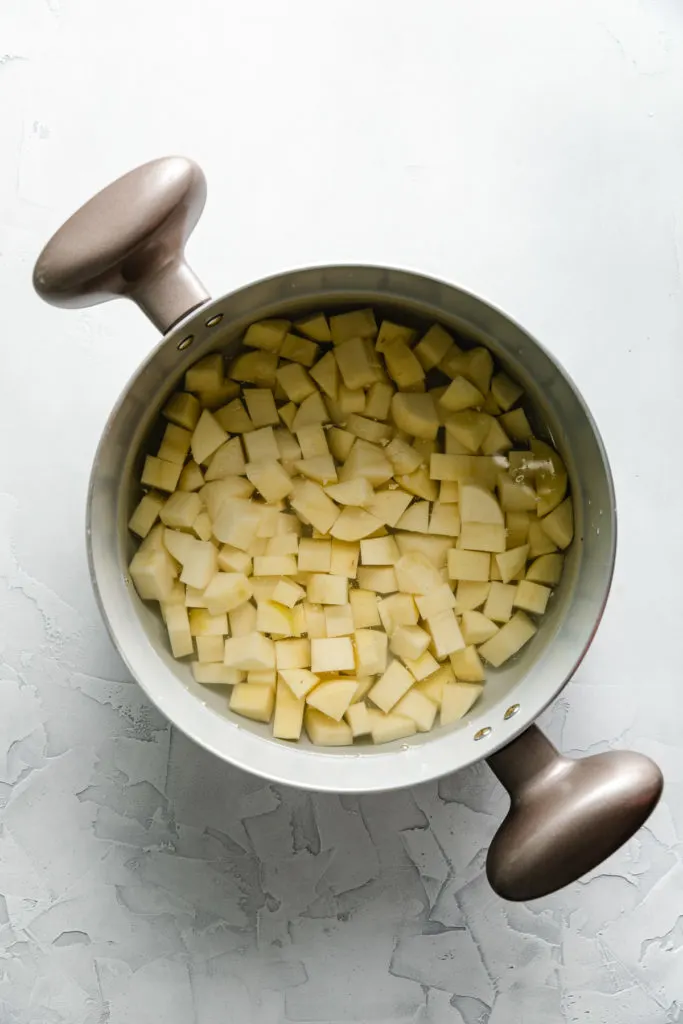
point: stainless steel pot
(565, 816)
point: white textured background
(531, 152)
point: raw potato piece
(299, 680)
(416, 414)
(500, 602)
(228, 460)
(457, 699)
(460, 394)
(270, 480)
(559, 524)
(435, 344)
(183, 410)
(160, 474)
(324, 731)
(332, 697)
(178, 626)
(531, 597)
(511, 562)
(477, 628)
(371, 651)
(227, 591)
(445, 633)
(364, 608)
(354, 524)
(386, 728)
(395, 682)
(509, 640)
(467, 665)
(472, 566)
(253, 701)
(251, 652)
(266, 334)
(332, 655)
(359, 719)
(207, 437)
(145, 515)
(546, 569)
(418, 708)
(477, 505)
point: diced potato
(182, 409)
(532, 597)
(509, 640)
(204, 624)
(288, 593)
(191, 477)
(440, 599)
(339, 620)
(200, 564)
(460, 395)
(311, 502)
(275, 565)
(483, 537)
(517, 528)
(476, 364)
(207, 437)
(477, 505)
(469, 427)
(409, 642)
(314, 555)
(505, 391)
(324, 731)
(393, 685)
(357, 362)
(419, 484)
(468, 565)
(324, 588)
(547, 569)
(419, 708)
(253, 701)
(214, 397)
(433, 347)
(340, 442)
(261, 407)
(432, 687)
(181, 510)
(266, 334)
(416, 574)
(146, 514)
(511, 562)
(379, 551)
(415, 413)
(296, 382)
(381, 579)
(160, 474)
(320, 468)
(282, 544)
(255, 368)
(551, 480)
(332, 697)
(287, 414)
(289, 713)
(457, 699)
(314, 326)
(403, 457)
(422, 667)
(261, 445)
(270, 479)
(378, 400)
(539, 541)
(371, 651)
(449, 492)
(470, 595)
(325, 373)
(369, 430)
(387, 728)
(415, 519)
(359, 720)
(364, 608)
(312, 410)
(273, 618)
(445, 520)
(354, 524)
(496, 440)
(233, 560)
(226, 591)
(299, 350)
(178, 627)
(477, 628)
(250, 652)
(559, 524)
(243, 619)
(293, 654)
(215, 674)
(210, 648)
(332, 655)
(516, 497)
(403, 366)
(234, 418)
(344, 558)
(357, 492)
(368, 461)
(262, 677)
(227, 461)
(516, 424)
(175, 444)
(359, 323)
(390, 332)
(500, 601)
(445, 633)
(299, 680)
(467, 666)
(433, 548)
(237, 524)
(388, 506)
(397, 610)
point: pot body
(514, 695)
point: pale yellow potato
(457, 699)
(509, 640)
(253, 701)
(332, 697)
(393, 684)
(324, 731)
(332, 655)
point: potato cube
(160, 474)
(354, 524)
(418, 708)
(403, 366)
(261, 445)
(326, 375)
(273, 618)
(332, 654)
(191, 478)
(432, 688)
(243, 619)
(320, 468)
(357, 362)
(207, 437)
(234, 418)
(511, 562)
(470, 595)
(500, 601)
(299, 350)
(358, 718)
(311, 502)
(505, 391)
(445, 520)
(265, 677)
(312, 410)
(255, 368)
(460, 395)
(482, 537)
(250, 652)
(391, 727)
(435, 549)
(419, 484)
(289, 714)
(457, 699)
(416, 414)
(539, 541)
(440, 599)
(516, 497)
(299, 680)
(211, 648)
(379, 551)
(261, 407)
(227, 461)
(475, 364)
(434, 346)
(381, 579)
(368, 429)
(332, 697)
(200, 564)
(292, 654)
(477, 628)
(181, 510)
(237, 524)
(449, 493)
(227, 590)
(288, 593)
(323, 588)
(295, 382)
(517, 425)
(390, 332)
(531, 597)
(352, 492)
(253, 701)
(378, 400)
(359, 323)
(397, 610)
(509, 640)
(415, 519)
(468, 565)
(275, 565)
(314, 555)
(409, 642)
(183, 410)
(145, 514)
(339, 620)
(416, 574)
(366, 460)
(217, 493)
(214, 397)
(388, 506)
(202, 623)
(422, 667)
(546, 569)
(477, 505)
(175, 444)
(233, 560)
(364, 608)
(178, 627)
(559, 524)
(496, 440)
(467, 666)
(324, 731)
(393, 685)
(445, 633)
(371, 651)
(312, 441)
(266, 334)
(215, 674)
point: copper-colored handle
(129, 239)
(565, 816)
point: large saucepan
(565, 816)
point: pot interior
(513, 695)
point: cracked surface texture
(532, 153)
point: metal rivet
(185, 343)
(511, 711)
(213, 320)
(486, 731)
